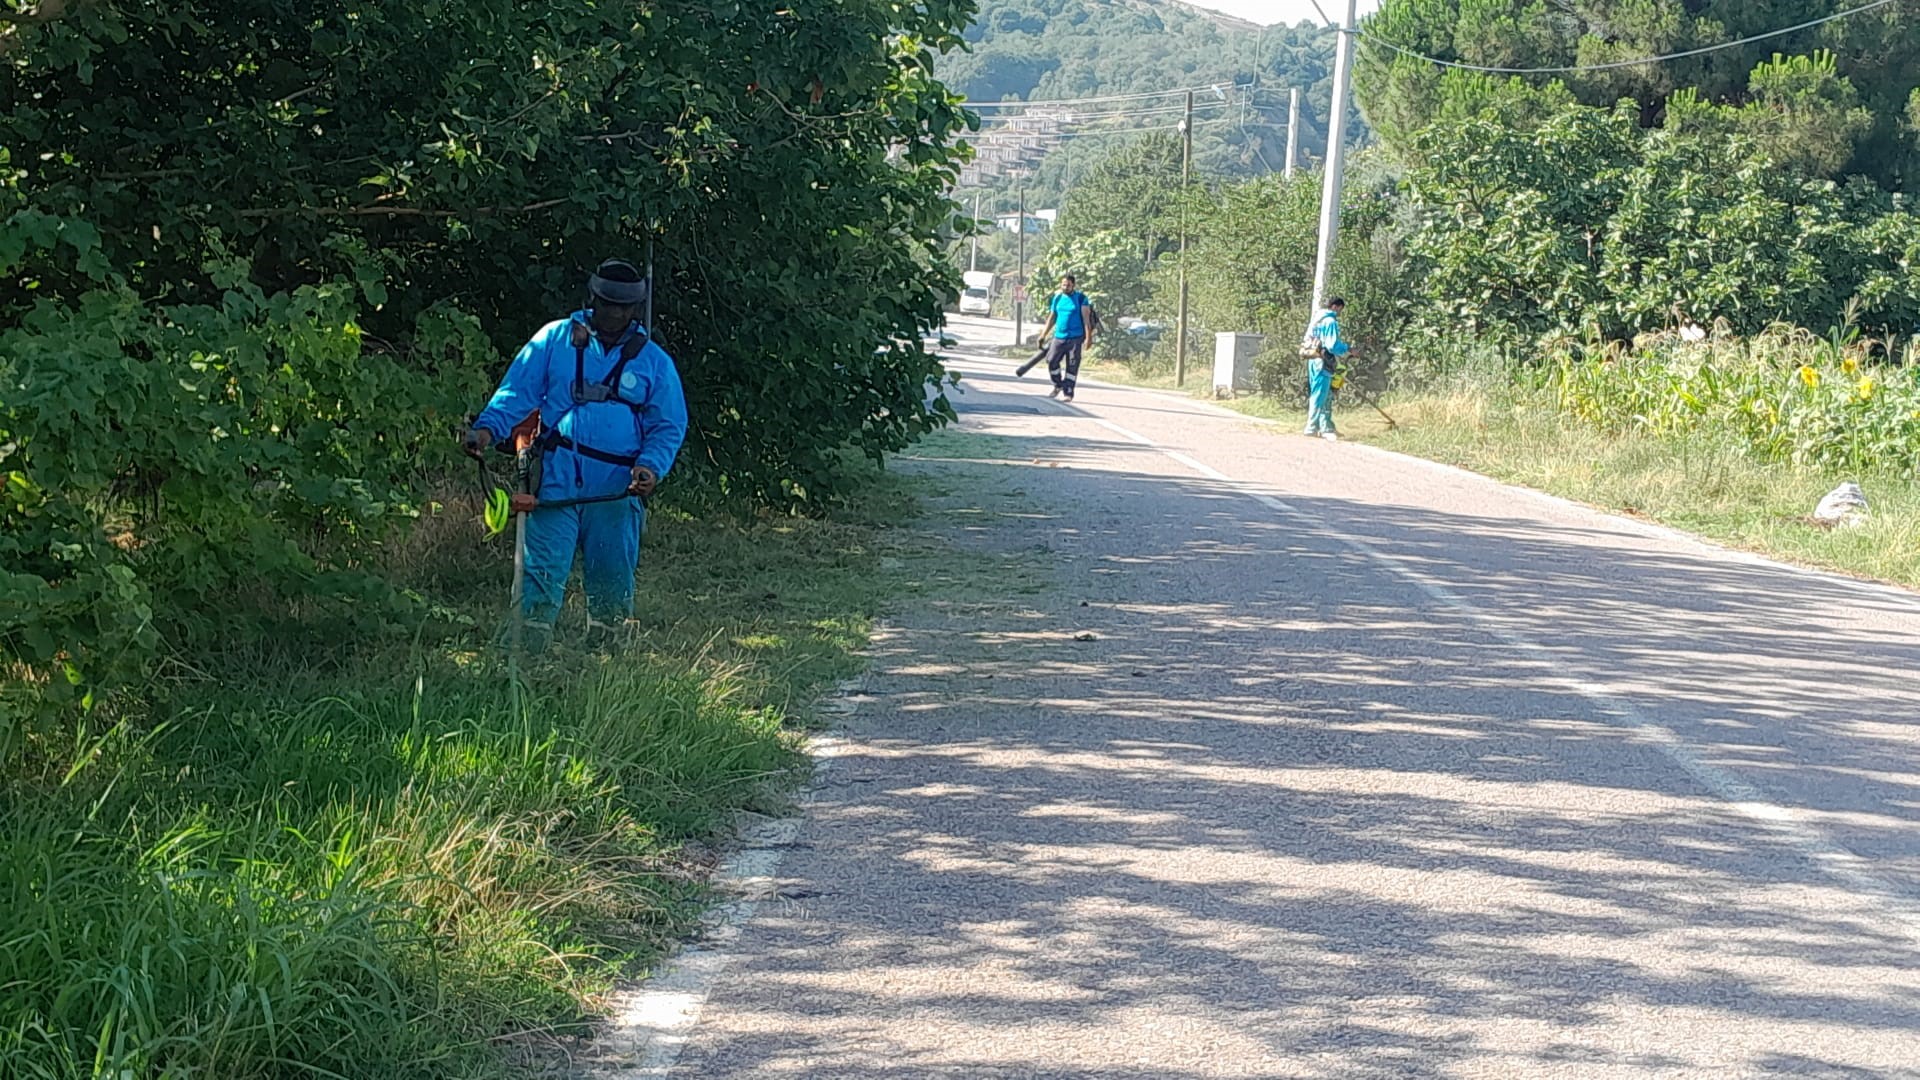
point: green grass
(392, 860)
(1715, 490)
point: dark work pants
(1065, 352)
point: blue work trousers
(606, 535)
(1319, 396)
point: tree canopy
(1844, 113)
(258, 259)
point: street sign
(1019, 294)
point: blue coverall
(1326, 334)
(644, 424)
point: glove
(476, 441)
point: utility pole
(1020, 283)
(1336, 161)
(1186, 171)
(1293, 131)
(973, 257)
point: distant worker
(1322, 348)
(612, 418)
(1072, 322)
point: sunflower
(1809, 376)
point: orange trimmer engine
(525, 443)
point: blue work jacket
(646, 420)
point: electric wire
(1205, 87)
(1574, 69)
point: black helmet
(617, 282)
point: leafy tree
(1800, 113)
(1007, 72)
(1250, 262)
(1876, 52)
(1106, 264)
(1131, 190)
(1589, 227)
(257, 259)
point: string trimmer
(524, 445)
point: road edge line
(648, 1024)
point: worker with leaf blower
(596, 408)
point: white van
(977, 297)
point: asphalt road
(1312, 761)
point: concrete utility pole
(1020, 283)
(1336, 161)
(973, 257)
(1180, 324)
(1293, 131)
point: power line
(1094, 100)
(1615, 64)
(1059, 135)
(1005, 122)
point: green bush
(243, 328)
(1586, 226)
(1784, 396)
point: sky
(1281, 11)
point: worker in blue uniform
(612, 418)
(1324, 347)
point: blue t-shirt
(1067, 320)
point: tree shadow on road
(1235, 799)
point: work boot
(1055, 392)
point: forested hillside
(1073, 49)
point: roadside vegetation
(272, 803)
(374, 858)
(1690, 291)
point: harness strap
(580, 337)
(554, 439)
(629, 349)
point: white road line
(650, 1023)
(1899, 594)
(1830, 856)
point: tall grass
(1783, 396)
(1708, 482)
(399, 863)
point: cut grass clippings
(395, 861)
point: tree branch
(44, 12)
(396, 211)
